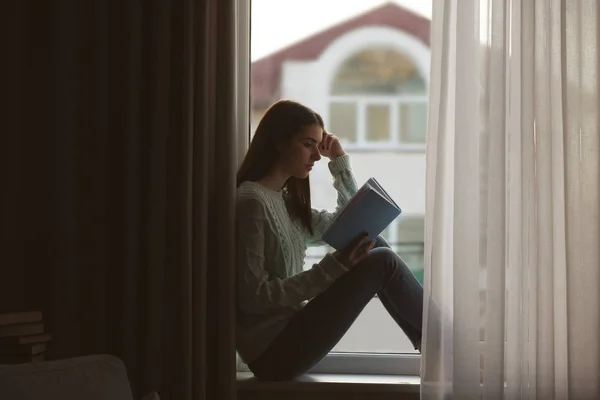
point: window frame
(334, 362)
(369, 364)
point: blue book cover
(370, 210)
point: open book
(370, 210)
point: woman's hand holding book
(354, 252)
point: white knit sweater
(271, 246)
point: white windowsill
(333, 382)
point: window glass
(413, 122)
(343, 124)
(378, 123)
(378, 71)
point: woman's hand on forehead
(330, 146)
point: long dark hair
(281, 122)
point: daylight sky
(279, 23)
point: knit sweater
(271, 246)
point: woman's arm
(257, 290)
(345, 185)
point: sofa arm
(151, 396)
(97, 377)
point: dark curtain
(118, 163)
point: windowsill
(333, 383)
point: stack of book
(22, 337)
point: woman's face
(298, 156)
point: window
(378, 99)
(370, 84)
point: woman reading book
(288, 318)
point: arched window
(378, 97)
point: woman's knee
(384, 257)
(381, 242)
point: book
(30, 349)
(31, 328)
(370, 210)
(26, 339)
(8, 359)
(20, 317)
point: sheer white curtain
(512, 307)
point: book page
(379, 189)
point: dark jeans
(320, 325)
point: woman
(289, 319)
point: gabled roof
(266, 72)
